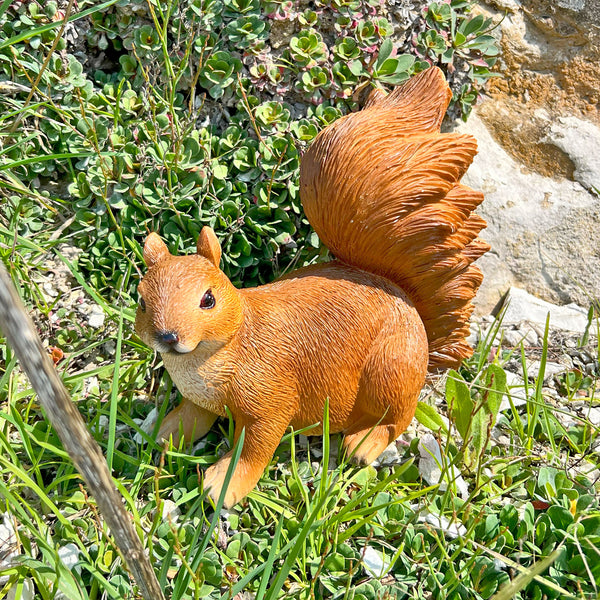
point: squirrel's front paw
(214, 479)
(188, 418)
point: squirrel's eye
(208, 300)
(142, 304)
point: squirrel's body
(312, 314)
(382, 189)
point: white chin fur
(175, 349)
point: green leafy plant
(474, 418)
(307, 49)
(386, 69)
(247, 32)
(168, 116)
(218, 73)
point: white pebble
(96, 317)
(8, 541)
(69, 555)
(453, 530)
(550, 370)
(170, 511)
(50, 289)
(27, 591)
(374, 562)
(147, 425)
(91, 385)
(593, 416)
(390, 456)
(430, 467)
(516, 388)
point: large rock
(539, 158)
(580, 141)
(544, 232)
(519, 306)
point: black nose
(167, 337)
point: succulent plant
(195, 111)
(307, 49)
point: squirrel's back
(381, 189)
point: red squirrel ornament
(381, 187)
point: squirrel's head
(185, 301)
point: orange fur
(381, 189)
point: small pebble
(516, 388)
(374, 562)
(550, 370)
(96, 317)
(69, 555)
(147, 425)
(170, 511)
(8, 541)
(390, 456)
(593, 416)
(453, 530)
(27, 591)
(430, 465)
(91, 385)
(50, 289)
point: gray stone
(550, 370)
(430, 467)
(69, 555)
(71, 253)
(576, 5)
(521, 306)
(452, 529)
(96, 317)
(544, 233)
(8, 541)
(374, 562)
(473, 337)
(524, 334)
(567, 420)
(538, 128)
(170, 511)
(27, 590)
(507, 5)
(593, 416)
(516, 391)
(390, 456)
(580, 141)
(514, 337)
(147, 425)
(50, 289)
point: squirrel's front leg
(261, 439)
(189, 418)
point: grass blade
(198, 552)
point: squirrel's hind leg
(189, 418)
(388, 390)
(365, 444)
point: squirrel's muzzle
(168, 338)
(169, 341)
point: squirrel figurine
(381, 189)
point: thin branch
(76, 439)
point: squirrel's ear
(155, 250)
(208, 246)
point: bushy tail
(381, 189)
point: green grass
(89, 161)
(304, 532)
